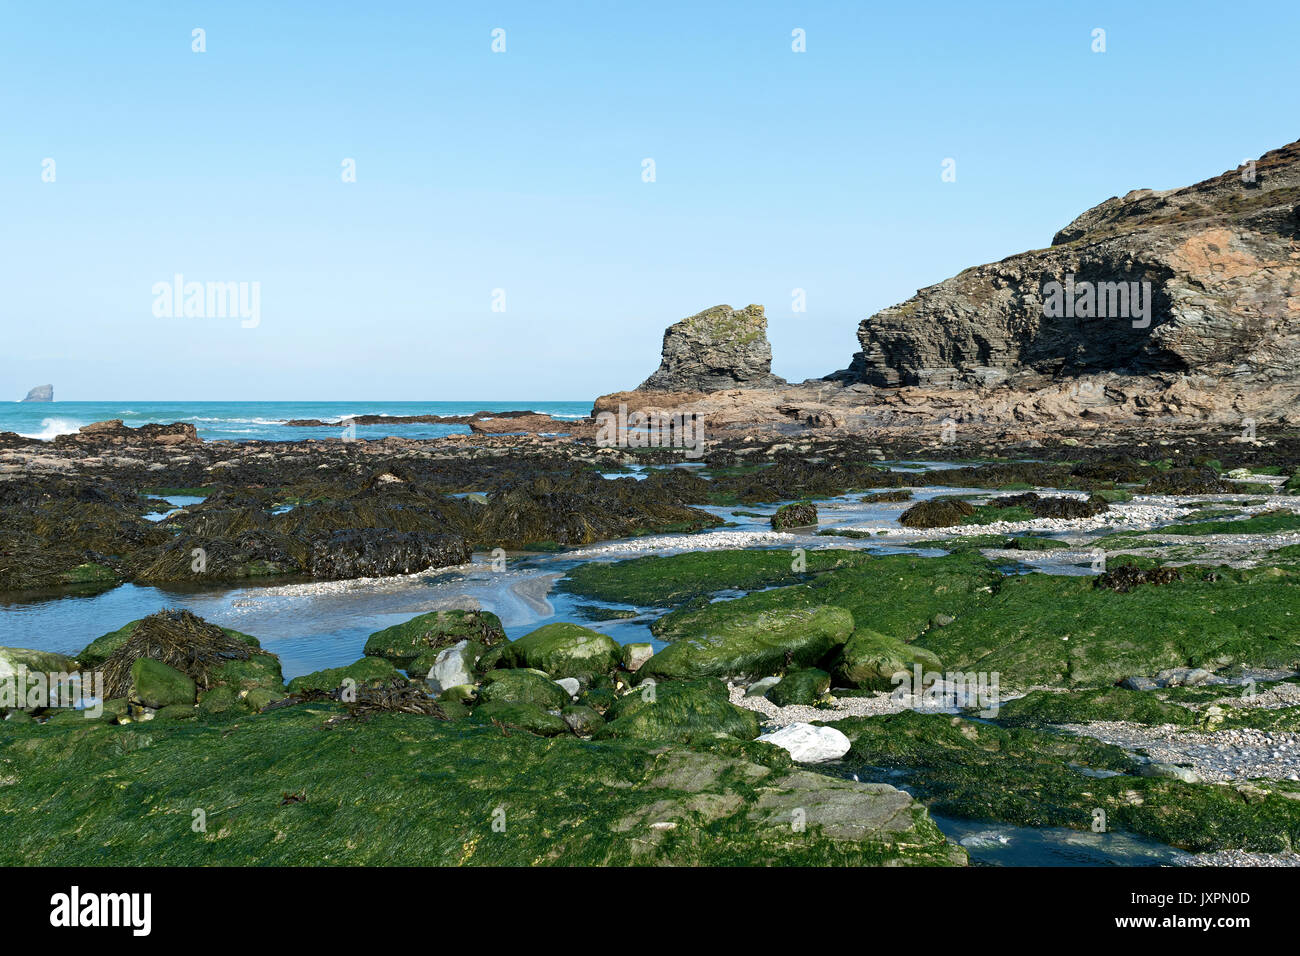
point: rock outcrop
(1222, 259)
(716, 349)
(41, 393)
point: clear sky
(523, 171)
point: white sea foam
(53, 428)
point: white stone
(808, 744)
(570, 685)
(451, 668)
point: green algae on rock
(368, 670)
(755, 645)
(154, 684)
(804, 687)
(563, 649)
(403, 643)
(429, 795)
(523, 686)
(870, 660)
(679, 711)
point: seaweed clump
(937, 513)
(1128, 576)
(179, 639)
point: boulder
(563, 650)
(368, 671)
(403, 643)
(634, 655)
(753, 645)
(522, 686)
(804, 687)
(454, 666)
(582, 720)
(808, 743)
(870, 660)
(156, 685)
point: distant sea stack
(1203, 280)
(41, 393)
(719, 348)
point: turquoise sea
(246, 421)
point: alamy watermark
(932, 691)
(208, 300)
(23, 689)
(683, 430)
(1100, 300)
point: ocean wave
(54, 427)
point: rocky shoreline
(772, 646)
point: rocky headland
(1177, 308)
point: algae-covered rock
(403, 643)
(805, 686)
(368, 671)
(755, 645)
(522, 716)
(582, 720)
(870, 660)
(563, 650)
(176, 712)
(35, 662)
(154, 684)
(802, 514)
(679, 711)
(523, 686)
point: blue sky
(522, 171)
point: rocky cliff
(41, 393)
(716, 349)
(1203, 280)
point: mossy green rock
(403, 643)
(522, 686)
(219, 700)
(679, 711)
(42, 662)
(582, 720)
(527, 717)
(176, 712)
(753, 646)
(563, 650)
(870, 660)
(368, 671)
(155, 684)
(803, 687)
